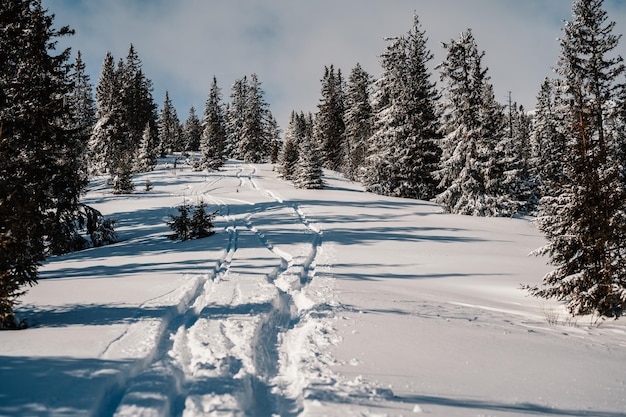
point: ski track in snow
(240, 344)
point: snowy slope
(312, 303)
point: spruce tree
(192, 131)
(289, 153)
(272, 133)
(584, 220)
(404, 150)
(253, 145)
(472, 163)
(548, 140)
(38, 146)
(235, 117)
(308, 169)
(358, 122)
(169, 128)
(330, 126)
(213, 138)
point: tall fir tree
(235, 112)
(169, 128)
(584, 221)
(288, 157)
(330, 126)
(472, 164)
(192, 131)
(358, 122)
(272, 133)
(308, 171)
(253, 145)
(213, 137)
(39, 144)
(548, 140)
(404, 149)
(124, 107)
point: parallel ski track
(157, 387)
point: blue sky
(287, 43)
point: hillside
(304, 303)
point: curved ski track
(219, 352)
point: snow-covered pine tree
(169, 128)
(99, 151)
(148, 152)
(63, 224)
(138, 107)
(213, 137)
(272, 133)
(404, 150)
(471, 167)
(289, 152)
(358, 122)
(235, 112)
(81, 99)
(329, 124)
(585, 221)
(308, 171)
(254, 145)
(192, 131)
(38, 149)
(548, 140)
(125, 106)
(518, 181)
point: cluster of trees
(243, 129)
(55, 133)
(399, 135)
(565, 162)
(43, 139)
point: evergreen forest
(418, 130)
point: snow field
(304, 303)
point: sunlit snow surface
(304, 303)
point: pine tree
(308, 170)
(253, 145)
(192, 131)
(404, 150)
(63, 223)
(518, 182)
(125, 106)
(147, 154)
(358, 122)
(235, 112)
(472, 164)
(213, 138)
(169, 128)
(272, 133)
(330, 127)
(37, 146)
(548, 140)
(585, 220)
(289, 153)
(100, 144)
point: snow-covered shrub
(191, 222)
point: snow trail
(221, 353)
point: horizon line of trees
(565, 163)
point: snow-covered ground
(304, 303)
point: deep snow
(334, 302)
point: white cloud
(288, 42)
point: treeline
(129, 133)
(564, 162)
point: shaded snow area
(304, 303)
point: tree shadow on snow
(44, 386)
(88, 315)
